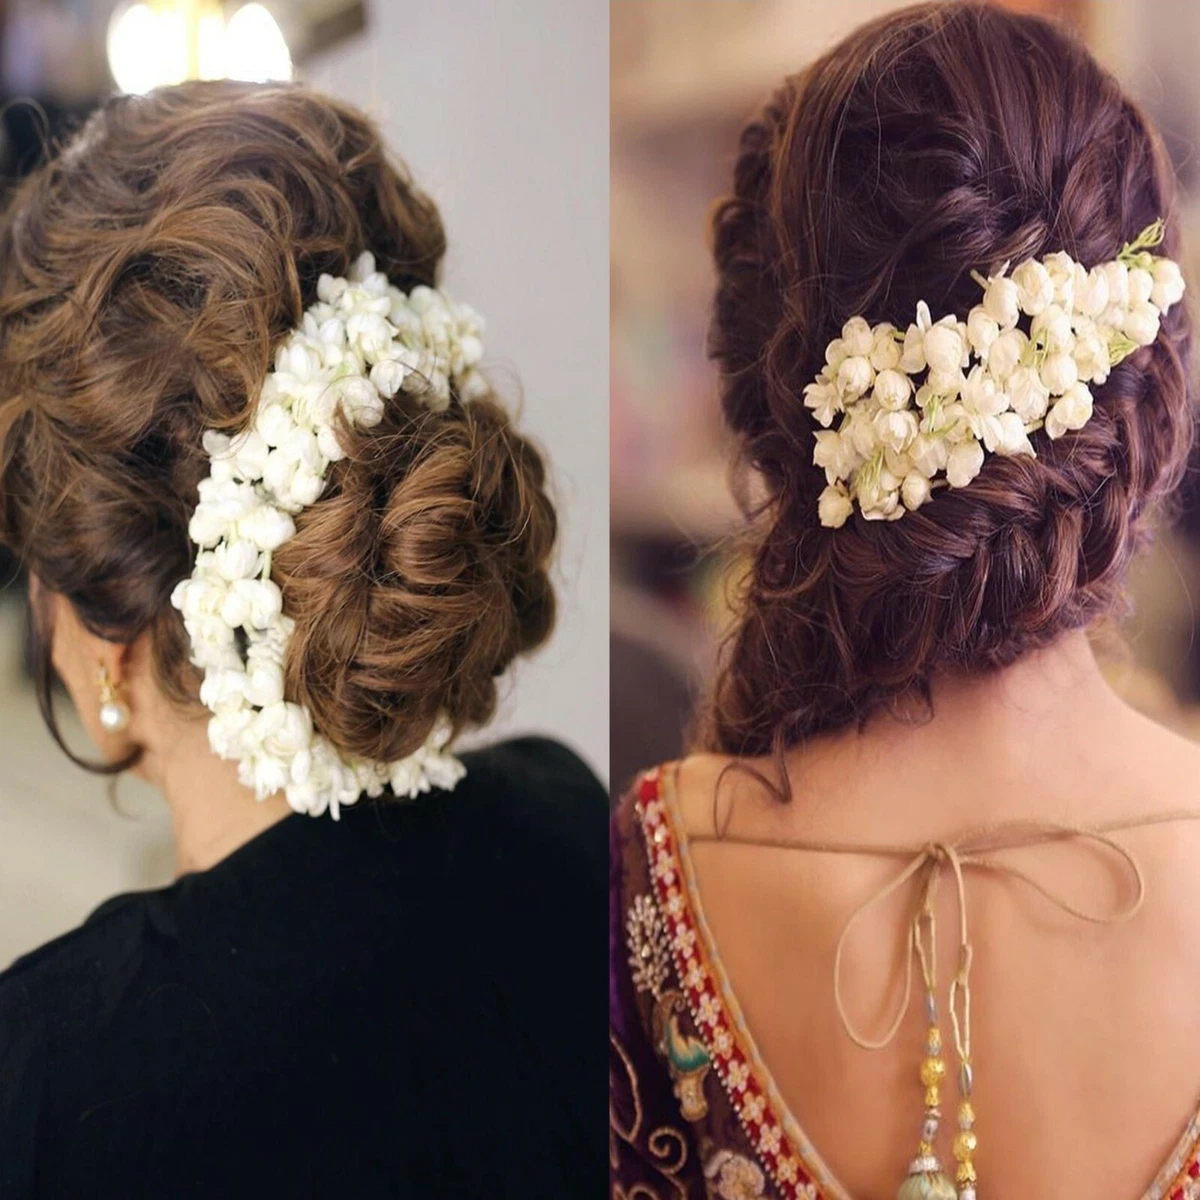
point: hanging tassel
(928, 1185)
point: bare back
(1086, 1037)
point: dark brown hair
(146, 274)
(939, 139)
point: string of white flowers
(357, 346)
(919, 408)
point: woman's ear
(95, 671)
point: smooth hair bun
(147, 273)
(939, 139)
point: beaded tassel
(926, 1180)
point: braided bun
(936, 140)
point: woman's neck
(212, 814)
(1051, 718)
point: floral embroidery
(702, 998)
(732, 1177)
(769, 1139)
(649, 958)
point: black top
(405, 1003)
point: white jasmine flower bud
(945, 347)
(982, 328)
(1091, 291)
(1091, 353)
(330, 289)
(896, 429)
(1005, 353)
(270, 775)
(305, 487)
(1141, 286)
(249, 452)
(912, 356)
(207, 527)
(831, 453)
(1053, 327)
(1061, 267)
(980, 396)
(273, 423)
(264, 684)
(1001, 302)
(329, 443)
(833, 509)
(235, 609)
(237, 559)
(1072, 411)
(928, 454)
(915, 491)
(1035, 288)
(1008, 435)
(824, 401)
(278, 472)
(885, 350)
(292, 734)
(369, 333)
(1168, 284)
(835, 354)
(264, 598)
(388, 376)
(267, 527)
(1027, 394)
(855, 376)
(892, 389)
(227, 730)
(223, 689)
(1116, 275)
(964, 463)
(1059, 373)
(859, 339)
(1141, 323)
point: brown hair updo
(146, 275)
(936, 140)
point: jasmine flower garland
(919, 409)
(361, 343)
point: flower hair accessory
(357, 346)
(918, 409)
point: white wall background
(501, 111)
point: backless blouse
(693, 1110)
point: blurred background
(506, 124)
(685, 77)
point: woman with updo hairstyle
(283, 544)
(918, 917)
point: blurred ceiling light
(153, 43)
(254, 46)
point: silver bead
(114, 716)
(967, 1193)
(929, 1129)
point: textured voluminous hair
(147, 273)
(937, 140)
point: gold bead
(965, 1142)
(932, 1096)
(933, 1070)
(924, 1149)
(965, 1172)
(966, 1115)
(934, 1042)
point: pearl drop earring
(114, 712)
